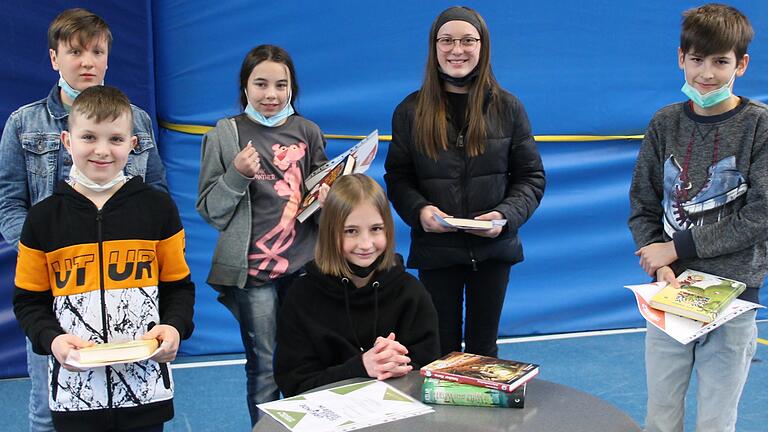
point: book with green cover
(701, 296)
(442, 392)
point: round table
(548, 407)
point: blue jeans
(39, 412)
(255, 308)
(721, 359)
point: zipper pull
(474, 265)
(460, 141)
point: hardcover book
(362, 155)
(115, 352)
(701, 296)
(482, 371)
(442, 392)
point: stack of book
(475, 380)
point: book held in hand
(461, 223)
(311, 202)
(482, 371)
(442, 392)
(123, 352)
(355, 160)
(701, 296)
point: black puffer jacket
(508, 177)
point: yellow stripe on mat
(762, 341)
(200, 130)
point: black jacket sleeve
(177, 291)
(525, 181)
(32, 297)
(401, 177)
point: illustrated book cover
(483, 371)
(701, 296)
(363, 153)
(442, 392)
(310, 203)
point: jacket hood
(382, 283)
(131, 187)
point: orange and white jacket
(106, 276)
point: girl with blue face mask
(252, 176)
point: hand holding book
(486, 225)
(497, 223)
(169, 339)
(666, 274)
(65, 343)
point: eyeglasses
(446, 44)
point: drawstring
(375, 308)
(344, 282)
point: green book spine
(436, 391)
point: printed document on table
(345, 408)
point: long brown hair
(430, 123)
(348, 192)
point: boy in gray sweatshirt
(699, 200)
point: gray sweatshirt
(702, 181)
(256, 218)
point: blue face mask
(273, 121)
(708, 99)
(68, 90)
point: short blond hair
(79, 25)
(100, 103)
(348, 192)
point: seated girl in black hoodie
(356, 313)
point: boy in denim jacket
(33, 160)
(699, 200)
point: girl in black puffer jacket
(462, 147)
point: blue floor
(607, 366)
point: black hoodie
(326, 323)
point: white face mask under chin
(75, 176)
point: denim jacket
(33, 159)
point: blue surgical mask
(708, 99)
(273, 121)
(68, 90)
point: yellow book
(701, 296)
(117, 352)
